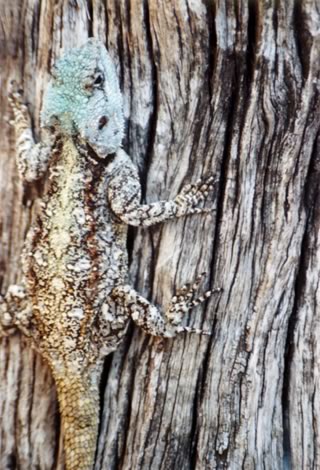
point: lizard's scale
(79, 408)
(76, 301)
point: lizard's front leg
(148, 316)
(124, 193)
(15, 312)
(32, 158)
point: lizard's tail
(79, 410)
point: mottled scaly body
(76, 301)
(76, 256)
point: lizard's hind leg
(148, 316)
(15, 311)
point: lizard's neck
(74, 151)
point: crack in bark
(89, 7)
(253, 38)
(151, 134)
(121, 453)
(302, 37)
(310, 197)
(212, 44)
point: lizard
(75, 302)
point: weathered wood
(210, 86)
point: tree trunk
(223, 87)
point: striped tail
(79, 410)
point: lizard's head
(84, 98)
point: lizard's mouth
(92, 154)
(96, 157)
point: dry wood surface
(224, 87)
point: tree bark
(223, 87)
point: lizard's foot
(194, 194)
(15, 94)
(7, 325)
(150, 318)
(18, 106)
(183, 301)
(13, 311)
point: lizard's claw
(16, 101)
(6, 318)
(184, 300)
(15, 94)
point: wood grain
(222, 87)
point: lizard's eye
(98, 80)
(95, 81)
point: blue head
(83, 98)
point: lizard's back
(77, 254)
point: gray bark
(225, 87)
